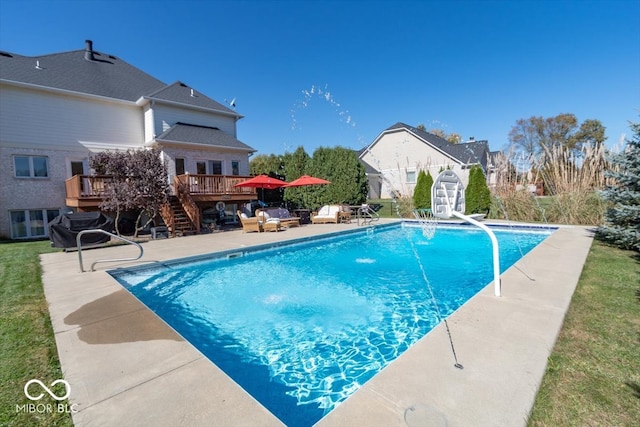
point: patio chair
(267, 223)
(249, 224)
(327, 214)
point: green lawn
(27, 346)
(593, 373)
(592, 379)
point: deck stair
(181, 224)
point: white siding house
(394, 159)
(55, 110)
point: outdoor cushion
(281, 214)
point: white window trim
(231, 165)
(210, 169)
(85, 165)
(27, 216)
(31, 168)
(406, 176)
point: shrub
(422, 192)
(477, 194)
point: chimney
(88, 51)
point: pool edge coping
(245, 419)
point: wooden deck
(87, 191)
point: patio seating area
(281, 214)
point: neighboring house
(394, 159)
(57, 109)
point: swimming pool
(301, 327)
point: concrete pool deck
(125, 366)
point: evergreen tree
(622, 219)
(422, 192)
(295, 165)
(477, 195)
(341, 166)
(272, 165)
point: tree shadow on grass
(635, 387)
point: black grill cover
(64, 229)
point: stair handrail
(167, 216)
(188, 204)
(364, 212)
(98, 230)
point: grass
(592, 379)
(593, 373)
(27, 345)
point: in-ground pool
(303, 326)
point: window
(411, 176)
(201, 168)
(215, 167)
(31, 223)
(179, 166)
(235, 167)
(31, 166)
(77, 167)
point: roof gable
(465, 153)
(180, 93)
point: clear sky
(327, 73)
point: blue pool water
(301, 327)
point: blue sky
(327, 73)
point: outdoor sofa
(328, 214)
(286, 219)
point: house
(394, 159)
(57, 109)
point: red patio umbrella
(306, 180)
(262, 181)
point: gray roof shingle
(91, 72)
(194, 134)
(183, 94)
(105, 76)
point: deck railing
(198, 184)
(93, 186)
(86, 186)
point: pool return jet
(447, 200)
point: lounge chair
(267, 223)
(249, 224)
(327, 214)
(286, 220)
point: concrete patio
(126, 367)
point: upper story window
(180, 166)
(201, 168)
(215, 167)
(235, 167)
(31, 166)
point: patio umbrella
(306, 180)
(262, 181)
